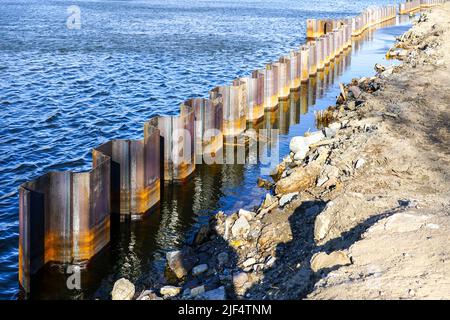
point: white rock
(301, 154)
(249, 262)
(322, 225)
(271, 261)
(286, 198)
(239, 279)
(246, 214)
(123, 290)
(321, 181)
(359, 163)
(314, 137)
(198, 270)
(170, 291)
(240, 228)
(298, 143)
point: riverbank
(360, 210)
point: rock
(321, 181)
(222, 258)
(269, 200)
(379, 68)
(329, 132)
(123, 290)
(181, 262)
(298, 143)
(148, 295)
(215, 294)
(197, 290)
(228, 224)
(351, 105)
(355, 91)
(170, 291)
(263, 183)
(300, 179)
(249, 262)
(322, 260)
(271, 261)
(322, 225)
(334, 126)
(246, 214)
(240, 228)
(359, 163)
(198, 270)
(301, 154)
(286, 198)
(314, 137)
(202, 234)
(240, 279)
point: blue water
(64, 91)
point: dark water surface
(63, 92)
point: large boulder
(123, 290)
(180, 262)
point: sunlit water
(65, 91)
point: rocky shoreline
(349, 201)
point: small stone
(322, 260)
(215, 294)
(123, 290)
(269, 200)
(359, 163)
(379, 68)
(198, 270)
(202, 234)
(322, 225)
(197, 290)
(286, 198)
(181, 262)
(222, 259)
(148, 295)
(298, 143)
(240, 228)
(329, 132)
(246, 214)
(355, 91)
(321, 181)
(249, 262)
(170, 291)
(239, 279)
(351, 105)
(301, 154)
(271, 261)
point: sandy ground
(406, 254)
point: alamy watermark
(74, 17)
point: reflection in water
(137, 248)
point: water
(63, 92)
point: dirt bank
(360, 210)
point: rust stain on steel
(234, 101)
(135, 173)
(255, 96)
(63, 217)
(208, 125)
(178, 143)
(270, 74)
(284, 77)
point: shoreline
(377, 175)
